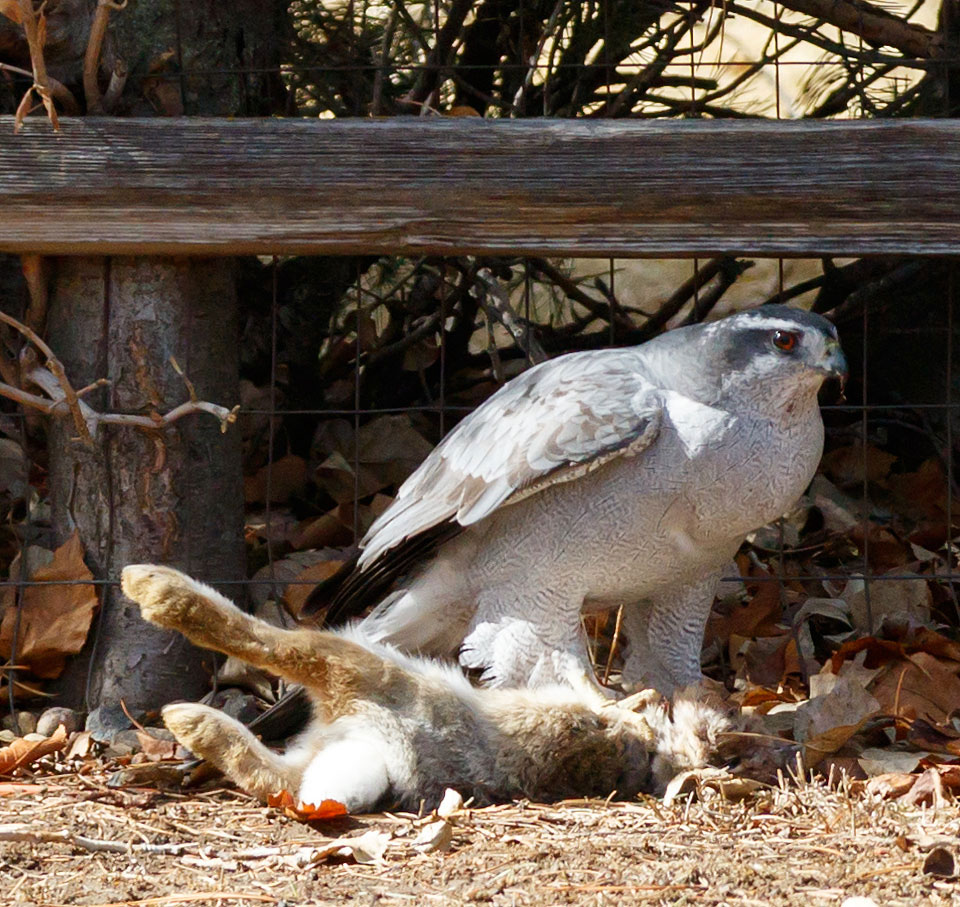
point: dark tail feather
(349, 592)
(323, 594)
(285, 717)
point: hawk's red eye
(785, 341)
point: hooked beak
(834, 364)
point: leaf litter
(798, 842)
(861, 680)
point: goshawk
(599, 479)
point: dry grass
(800, 844)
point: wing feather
(555, 423)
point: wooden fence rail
(453, 186)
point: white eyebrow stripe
(774, 323)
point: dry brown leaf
(25, 752)
(23, 108)
(166, 775)
(827, 743)
(922, 494)
(919, 685)
(883, 759)
(155, 748)
(950, 775)
(706, 778)
(941, 862)
(318, 532)
(14, 469)
(81, 746)
(55, 619)
(388, 449)
(285, 478)
(736, 789)
(840, 513)
(336, 477)
(268, 582)
(849, 465)
(923, 639)
(896, 599)
(838, 708)
(295, 595)
(765, 661)
(908, 641)
(327, 531)
(308, 812)
(161, 88)
(834, 766)
(890, 785)
(366, 848)
(421, 355)
(927, 789)
(940, 739)
(759, 700)
(11, 9)
(436, 836)
(887, 551)
(756, 618)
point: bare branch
(226, 417)
(118, 79)
(496, 303)
(191, 390)
(84, 417)
(441, 55)
(62, 398)
(810, 35)
(875, 25)
(546, 34)
(638, 84)
(23, 832)
(56, 367)
(27, 399)
(597, 308)
(34, 268)
(59, 91)
(93, 420)
(91, 60)
(688, 289)
(34, 29)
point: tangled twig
(496, 303)
(91, 62)
(62, 399)
(34, 28)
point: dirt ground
(72, 839)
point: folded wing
(554, 423)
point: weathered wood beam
(459, 185)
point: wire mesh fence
(352, 370)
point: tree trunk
(171, 496)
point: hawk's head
(774, 346)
